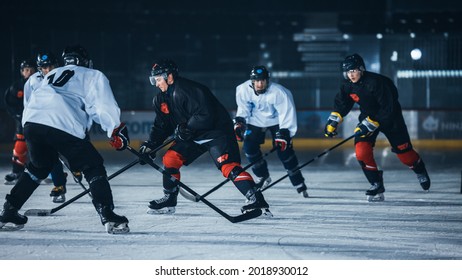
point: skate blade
(59, 199)
(10, 227)
(267, 214)
(165, 210)
(376, 198)
(10, 182)
(304, 194)
(47, 181)
(113, 228)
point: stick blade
(246, 216)
(38, 212)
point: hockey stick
(197, 198)
(232, 219)
(310, 161)
(65, 163)
(48, 212)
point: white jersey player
(263, 106)
(56, 118)
(47, 61)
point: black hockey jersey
(188, 102)
(376, 96)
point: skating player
(14, 96)
(200, 124)
(47, 61)
(56, 119)
(267, 106)
(380, 111)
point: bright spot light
(416, 54)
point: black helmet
(259, 73)
(76, 55)
(27, 63)
(354, 61)
(163, 67)
(46, 58)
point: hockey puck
(41, 214)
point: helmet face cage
(352, 62)
(163, 68)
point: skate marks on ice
(336, 222)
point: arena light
(416, 54)
(415, 74)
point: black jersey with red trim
(376, 96)
(188, 102)
(14, 99)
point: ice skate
(422, 174)
(424, 181)
(47, 181)
(10, 219)
(77, 176)
(302, 190)
(257, 201)
(164, 205)
(58, 194)
(262, 182)
(12, 178)
(375, 193)
(113, 223)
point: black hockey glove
(366, 127)
(239, 128)
(332, 123)
(119, 138)
(183, 133)
(146, 148)
(283, 139)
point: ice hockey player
(380, 111)
(200, 123)
(47, 61)
(14, 104)
(56, 118)
(267, 106)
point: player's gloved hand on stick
(239, 128)
(146, 148)
(332, 123)
(119, 138)
(366, 127)
(283, 139)
(183, 133)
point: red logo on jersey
(164, 108)
(222, 158)
(20, 94)
(354, 96)
(403, 146)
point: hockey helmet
(163, 68)
(259, 73)
(352, 62)
(45, 59)
(27, 63)
(76, 55)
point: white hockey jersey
(274, 107)
(31, 84)
(71, 98)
